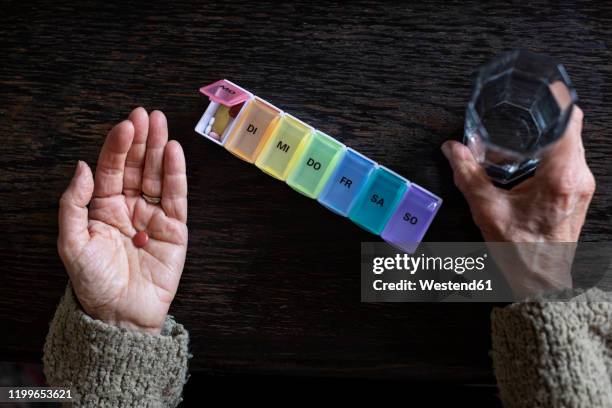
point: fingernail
(80, 167)
(446, 150)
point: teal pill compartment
(377, 201)
(317, 162)
(346, 182)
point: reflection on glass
(521, 103)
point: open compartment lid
(225, 93)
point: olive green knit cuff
(551, 353)
(110, 366)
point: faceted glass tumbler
(521, 103)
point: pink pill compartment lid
(221, 93)
(225, 93)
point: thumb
(73, 213)
(470, 178)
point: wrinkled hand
(550, 207)
(114, 281)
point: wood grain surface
(271, 283)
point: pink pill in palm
(140, 239)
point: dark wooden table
(271, 283)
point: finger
(73, 219)
(470, 177)
(111, 162)
(174, 191)
(568, 148)
(563, 166)
(156, 142)
(134, 163)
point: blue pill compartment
(346, 182)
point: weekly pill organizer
(317, 165)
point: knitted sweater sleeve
(554, 353)
(105, 365)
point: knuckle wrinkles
(133, 165)
(462, 180)
(566, 185)
(67, 199)
(111, 171)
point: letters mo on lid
(317, 165)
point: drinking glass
(521, 103)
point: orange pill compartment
(252, 129)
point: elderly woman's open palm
(114, 280)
